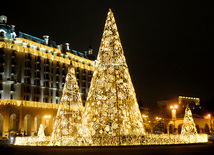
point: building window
(78, 76)
(83, 84)
(38, 91)
(27, 73)
(57, 93)
(83, 78)
(26, 97)
(57, 79)
(37, 82)
(13, 62)
(45, 99)
(63, 66)
(63, 80)
(27, 89)
(63, 72)
(12, 88)
(28, 56)
(46, 83)
(77, 70)
(1, 67)
(1, 86)
(38, 75)
(57, 71)
(13, 54)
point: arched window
(27, 125)
(179, 128)
(12, 125)
(206, 128)
(171, 129)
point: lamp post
(174, 114)
(210, 118)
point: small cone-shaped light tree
(69, 128)
(41, 133)
(188, 127)
(112, 111)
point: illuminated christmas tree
(188, 127)
(69, 128)
(112, 111)
(41, 133)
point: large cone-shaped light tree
(112, 111)
(188, 127)
(69, 127)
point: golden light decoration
(111, 115)
(41, 133)
(188, 127)
(40, 140)
(112, 111)
(69, 128)
(77, 61)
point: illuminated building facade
(172, 118)
(32, 76)
(181, 102)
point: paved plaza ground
(196, 149)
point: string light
(111, 115)
(112, 111)
(69, 128)
(41, 133)
(189, 125)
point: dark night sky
(168, 44)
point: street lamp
(174, 111)
(174, 114)
(158, 118)
(210, 118)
